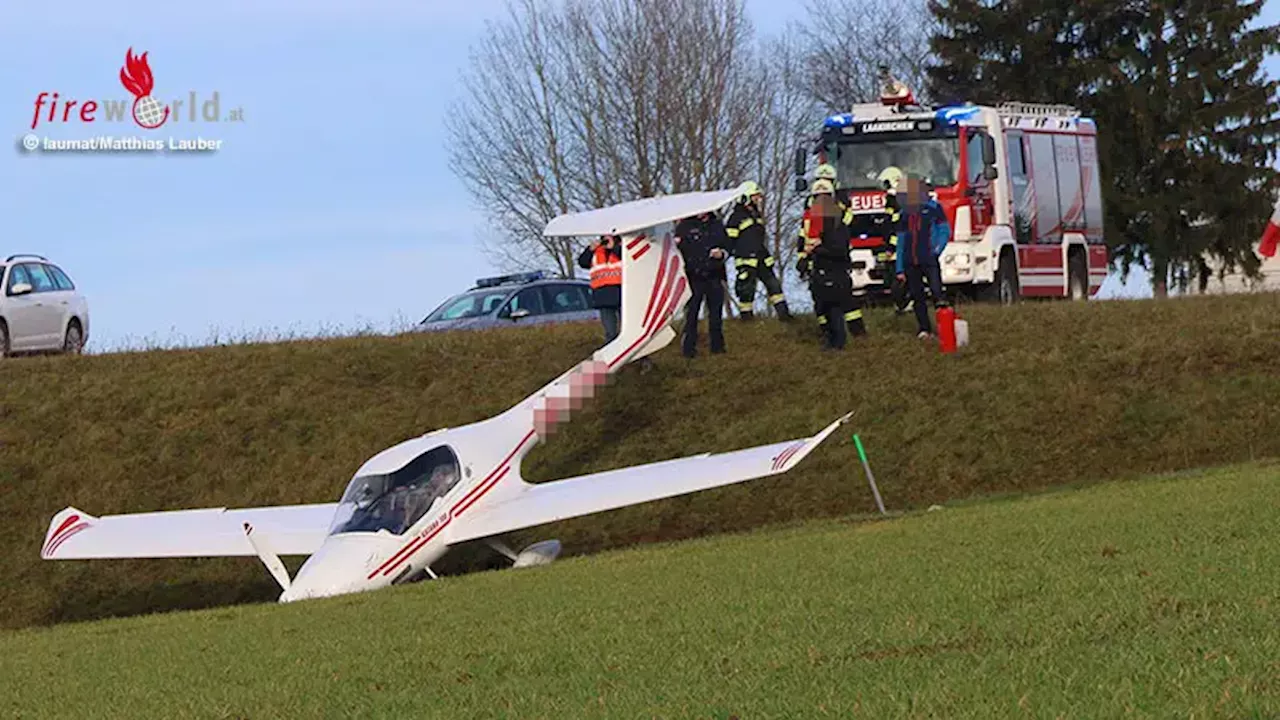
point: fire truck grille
(872, 225)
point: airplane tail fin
(654, 286)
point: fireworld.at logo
(148, 112)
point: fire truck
(1019, 183)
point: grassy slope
(1142, 599)
(1048, 394)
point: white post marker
(862, 455)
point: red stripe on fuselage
(666, 308)
(472, 495)
(662, 271)
(654, 320)
(462, 507)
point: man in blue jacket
(923, 232)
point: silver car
(514, 300)
(40, 308)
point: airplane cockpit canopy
(395, 501)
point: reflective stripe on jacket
(605, 270)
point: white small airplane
(408, 505)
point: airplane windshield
(395, 501)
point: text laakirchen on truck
(1019, 183)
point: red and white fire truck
(1019, 183)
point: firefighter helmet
(892, 178)
(749, 190)
(825, 171)
(822, 187)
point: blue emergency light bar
(954, 114)
(516, 278)
(839, 120)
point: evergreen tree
(1188, 123)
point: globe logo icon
(136, 78)
(149, 113)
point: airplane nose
(341, 565)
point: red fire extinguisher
(947, 329)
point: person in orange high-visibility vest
(604, 261)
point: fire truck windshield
(859, 165)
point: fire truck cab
(1019, 184)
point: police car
(514, 300)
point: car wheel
(74, 341)
(4, 340)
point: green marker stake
(862, 454)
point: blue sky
(331, 206)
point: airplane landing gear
(541, 553)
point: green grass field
(1048, 395)
(1155, 598)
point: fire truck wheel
(1077, 278)
(1007, 283)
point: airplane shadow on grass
(115, 602)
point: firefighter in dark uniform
(824, 172)
(804, 263)
(809, 229)
(829, 281)
(704, 246)
(752, 260)
(888, 258)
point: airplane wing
(638, 215)
(209, 532)
(573, 497)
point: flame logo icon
(136, 78)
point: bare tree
(506, 137)
(849, 40)
(578, 104)
(788, 122)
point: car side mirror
(517, 314)
(800, 161)
(801, 186)
(990, 172)
(20, 289)
(988, 150)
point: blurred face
(824, 204)
(915, 191)
(758, 201)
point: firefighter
(829, 280)
(751, 257)
(704, 246)
(809, 228)
(804, 264)
(827, 172)
(889, 258)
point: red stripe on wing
(53, 538)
